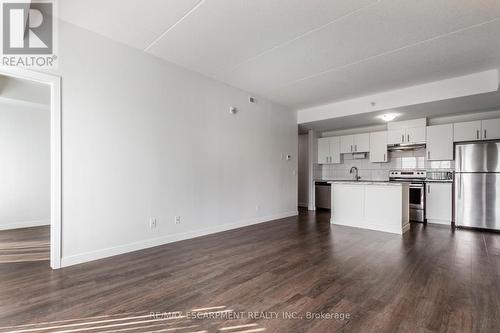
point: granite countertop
(361, 182)
(350, 181)
(366, 182)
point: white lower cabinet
(438, 203)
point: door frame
(55, 154)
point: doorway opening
(30, 168)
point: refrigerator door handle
(459, 186)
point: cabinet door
(395, 137)
(378, 147)
(415, 135)
(438, 201)
(346, 144)
(323, 150)
(490, 129)
(335, 149)
(467, 131)
(362, 143)
(440, 142)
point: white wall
(303, 165)
(144, 138)
(24, 166)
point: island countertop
(367, 182)
(381, 206)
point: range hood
(407, 146)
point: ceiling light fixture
(388, 116)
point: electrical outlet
(177, 219)
(153, 223)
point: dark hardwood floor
(25, 245)
(429, 280)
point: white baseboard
(381, 228)
(121, 249)
(24, 224)
(441, 222)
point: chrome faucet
(356, 177)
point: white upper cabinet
(467, 131)
(362, 143)
(396, 136)
(406, 135)
(490, 129)
(358, 143)
(440, 142)
(335, 149)
(407, 132)
(439, 203)
(347, 144)
(328, 150)
(323, 150)
(378, 147)
(416, 135)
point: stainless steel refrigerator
(477, 185)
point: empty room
(245, 166)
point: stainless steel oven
(416, 184)
(417, 202)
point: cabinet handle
(351, 148)
(384, 158)
(428, 155)
(429, 189)
(485, 134)
(477, 134)
(402, 138)
(408, 138)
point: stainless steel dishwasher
(323, 192)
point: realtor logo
(27, 28)
(28, 33)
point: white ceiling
(302, 53)
(483, 103)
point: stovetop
(408, 175)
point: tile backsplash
(410, 159)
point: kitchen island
(381, 206)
